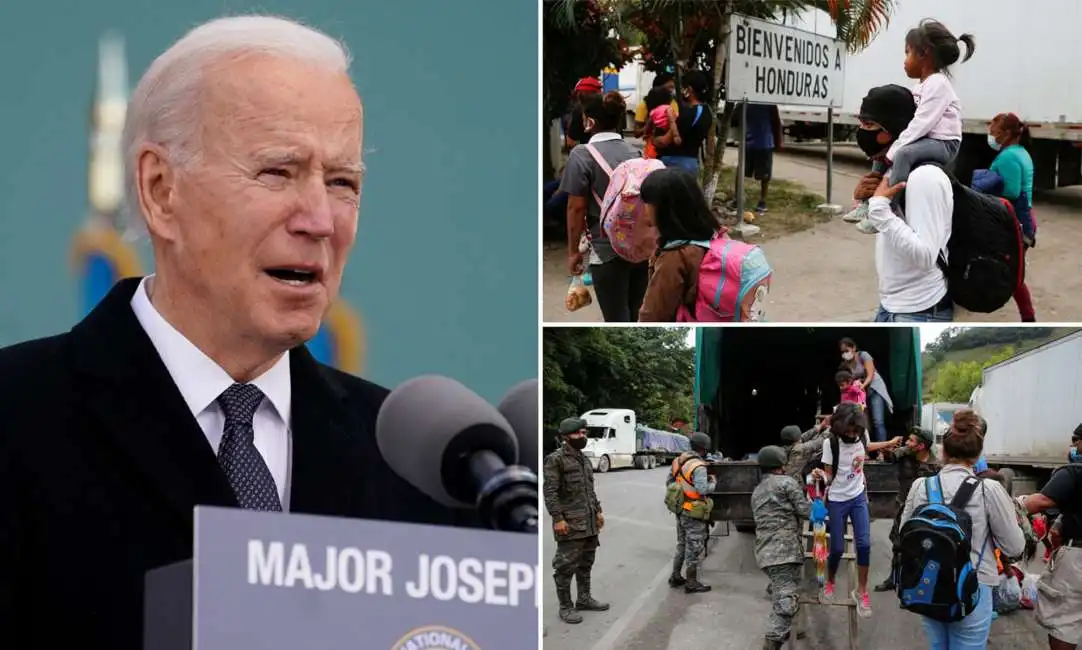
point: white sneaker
(867, 227)
(857, 214)
(864, 604)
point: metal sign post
(830, 207)
(742, 228)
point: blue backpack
(934, 574)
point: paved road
(633, 564)
(827, 273)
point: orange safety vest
(682, 469)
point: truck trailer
(1008, 73)
(615, 439)
(751, 382)
(1032, 402)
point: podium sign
(284, 582)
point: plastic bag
(578, 295)
(1008, 595)
(1029, 591)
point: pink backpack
(622, 209)
(734, 279)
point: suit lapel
(130, 393)
(327, 450)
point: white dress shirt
(201, 380)
(906, 249)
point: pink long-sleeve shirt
(939, 114)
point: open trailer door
(751, 382)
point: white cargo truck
(1021, 65)
(615, 440)
(1032, 403)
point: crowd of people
(940, 486)
(908, 199)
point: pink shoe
(864, 605)
(827, 596)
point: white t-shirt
(848, 483)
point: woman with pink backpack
(698, 273)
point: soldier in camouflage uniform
(691, 531)
(800, 448)
(780, 508)
(572, 503)
(915, 460)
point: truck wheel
(651, 462)
(603, 465)
(1008, 475)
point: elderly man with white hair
(193, 385)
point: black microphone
(455, 447)
(519, 406)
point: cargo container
(1032, 402)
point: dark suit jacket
(101, 464)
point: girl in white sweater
(935, 133)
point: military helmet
(700, 440)
(571, 425)
(923, 435)
(772, 457)
(791, 433)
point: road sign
(774, 64)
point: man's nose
(315, 218)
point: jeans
(855, 510)
(877, 408)
(555, 203)
(970, 633)
(689, 163)
(934, 315)
(620, 287)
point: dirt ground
(827, 273)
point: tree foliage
(956, 381)
(970, 338)
(648, 370)
(578, 40)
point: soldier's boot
(677, 580)
(585, 601)
(886, 585)
(693, 585)
(772, 645)
(567, 609)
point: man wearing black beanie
(912, 288)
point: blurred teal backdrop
(444, 273)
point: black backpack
(933, 573)
(985, 249)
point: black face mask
(866, 140)
(577, 443)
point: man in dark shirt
(915, 460)
(1059, 609)
(763, 137)
(693, 123)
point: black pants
(620, 287)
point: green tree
(648, 370)
(578, 40)
(956, 381)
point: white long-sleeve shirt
(939, 114)
(906, 249)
